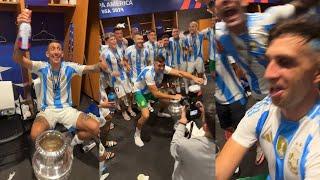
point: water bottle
(112, 97)
(24, 36)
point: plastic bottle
(112, 97)
(24, 36)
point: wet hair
(159, 59)
(306, 26)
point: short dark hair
(151, 31)
(159, 59)
(138, 34)
(165, 36)
(306, 26)
(117, 29)
(55, 41)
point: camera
(190, 102)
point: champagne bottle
(24, 36)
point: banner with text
(37, 2)
(116, 8)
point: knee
(95, 128)
(38, 127)
(34, 134)
(145, 115)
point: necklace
(55, 80)
(118, 58)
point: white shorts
(66, 116)
(102, 120)
(197, 65)
(104, 111)
(122, 88)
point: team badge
(281, 146)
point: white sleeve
(312, 166)
(167, 69)
(78, 68)
(150, 79)
(231, 60)
(205, 32)
(220, 26)
(36, 65)
(276, 13)
(245, 133)
(126, 53)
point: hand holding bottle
(24, 16)
(24, 36)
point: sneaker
(164, 115)
(151, 101)
(104, 176)
(126, 116)
(138, 141)
(150, 107)
(132, 113)
(111, 126)
(237, 171)
(88, 147)
(118, 107)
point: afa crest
(281, 146)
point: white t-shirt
(291, 147)
(149, 77)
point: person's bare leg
(130, 102)
(164, 103)
(124, 108)
(39, 125)
(106, 128)
(142, 120)
(88, 128)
